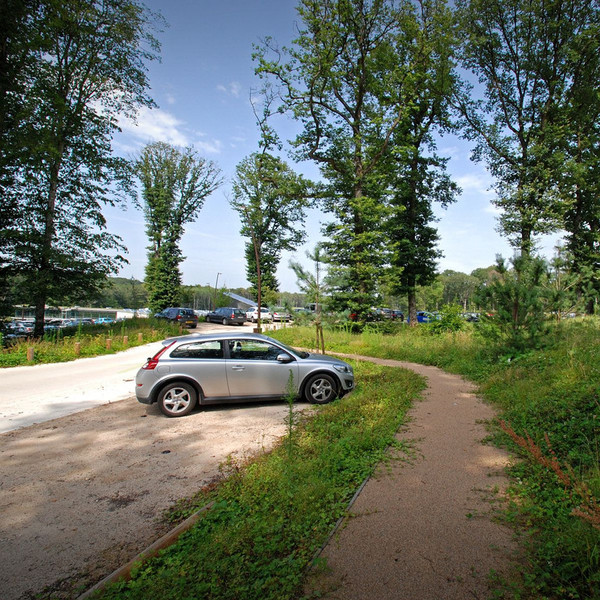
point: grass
(273, 513)
(70, 344)
(548, 401)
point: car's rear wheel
(320, 389)
(224, 321)
(177, 399)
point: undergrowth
(70, 344)
(272, 514)
(548, 400)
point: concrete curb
(166, 540)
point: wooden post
(140, 337)
(125, 340)
(77, 348)
(108, 343)
(30, 354)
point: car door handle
(238, 368)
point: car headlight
(343, 368)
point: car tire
(320, 389)
(177, 399)
(224, 321)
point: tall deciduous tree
(579, 177)
(79, 64)
(175, 184)
(270, 200)
(366, 79)
(524, 53)
(341, 81)
(417, 176)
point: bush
(451, 319)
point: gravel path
(424, 530)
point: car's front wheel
(177, 399)
(320, 389)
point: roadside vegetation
(548, 404)
(272, 514)
(62, 345)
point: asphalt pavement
(38, 393)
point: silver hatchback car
(218, 368)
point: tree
(340, 80)
(459, 288)
(516, 297)
(579, 177)
(526, 56)
(78, 65)
(270, 200)
(175, 184)
(418, 176)
(366, 79)
(314, 286)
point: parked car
(280, 314)
(104, 321)
(424, 317)
(227, 315)
(185, 316)
(252, 315)
(220, 368)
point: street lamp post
(215, 298)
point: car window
(198, 350)
(253, 350)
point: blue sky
(202, 87)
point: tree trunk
(412, 307)
(44, 264)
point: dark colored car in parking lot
(185, 316)
(227, 315)
(227, 367)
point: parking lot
(83, 493)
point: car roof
(218, 336)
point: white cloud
(156, 125)
(209, 146)
(233, 89)
(473, 183)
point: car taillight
(153, 362)
(178, 318)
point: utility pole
(215, 296)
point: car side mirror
(284, 358)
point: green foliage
(538, 63)
(59, 346)
(450, 320)
(78, 65)
(516, 297)
(271, 514)
(367, 89)
(271, 200)
(175, 184)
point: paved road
(35, 394)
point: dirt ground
(83, 494)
